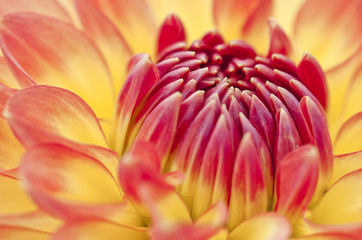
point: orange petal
(107, 38)
(248, 190)
(98, 230)
(50, 113)
(134, 20)
(6, 77)
(296, 181)
(266, 226)
(50, 8)
(14, 199)
(330, 45)
(70, 184)
(31, 44)
(13, 233)
(349, 135)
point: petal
(200, 13)
(14, 199)
(10, 232)
(98, 230)
(134, 20)
(6, 77)
(296, 181)
(171, 31)
(266, 226)
(341, 204)
(328, 236)
(160, 125)
(248, 190)
(344, 164)
(68, 183)
(331, 46)
(348, 135)
(51, 113)
(143, 76)
(312, 76)
(50, 8)
(28, 41)
(107, 38)
(279, 41)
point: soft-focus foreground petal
(15, 233)
(190, 11)
(45, 7)
(243, 19)
(6, 77)
(57, 55)
(348, 138)
(134, 20)
(10, 148)
(109, 41)
(330, 45)
(98, 230)
(296, 181)
(51, 113)
(266, 226)
(70, 184)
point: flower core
(237, 117)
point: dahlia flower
(185, 120)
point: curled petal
(279, 41)
(296, 181)
(51, 113)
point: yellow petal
(349, 136)
(344, 164)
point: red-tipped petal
(159, 126)
(296, 181)
(248, 190)
(287, 138)
(171, 31)
(312, 76)
(107, 38)
(317, 125)
(51, 113)
(279, 41)
(143, 76)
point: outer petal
(6, 77)
(31, 44)
(342, 203)
(242, 18)
(348, 137)
(331, 46)
(134, 20)
(13, 233)
(266, 226)
(50, 113)
(98, 230)
(70, 184)
(106, 36)
(47, 7)
(190, 11)
(344, 164)
(296, 181)
(328, 236)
